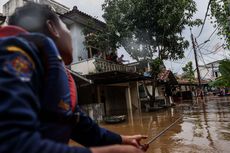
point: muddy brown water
(204, 127)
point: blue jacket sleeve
(88, 133)
(19, 107)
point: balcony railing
(96, 65)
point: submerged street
(204, 127)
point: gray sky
(93, 8)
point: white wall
(78, 38)
(208, 72)
(205, 73)
(10, 6)
(150, 90)
(84, 67)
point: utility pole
(197, 66)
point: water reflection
(205, 127)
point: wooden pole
(197, 66)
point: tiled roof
(164, 75)
(185, 81)
(75, 10)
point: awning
(81, 80)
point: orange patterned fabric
(73, 91)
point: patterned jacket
(38, 110)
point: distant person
(113, 57)
(108, 57)
(98, 55)
(38, 101)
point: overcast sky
(93, 7)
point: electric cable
(206, 14)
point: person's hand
(116, 149)
(135, 140)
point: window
(216, 74)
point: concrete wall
(150, 90)
(204, 73)
(209, 71)
(118, 99)
(134, 94)
(84, 67)
(79, 50)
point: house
(166, 82)
(209, 71)
(114, 90)
(186, 90)
(77, 21)
(10, 6)
(164, 85)
(105, 87)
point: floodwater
(204, 127)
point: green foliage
(156, 66)
(104, 40)
(220, 9)
(220, 82)
(150, 28)
(188, 72)
(224, 80)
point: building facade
(209, 71)
(115, 86)
(10, 6)
(77, 21)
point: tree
(188, 72)
(103, 39)
(220, 9)
(151, 29)
(147, 27)
(224, 79)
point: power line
(208, 56)
(207, 45)
(209, 39)
(211, 52)
(175, 62)
(202, 58)
(184, 60)
(218, 54)
(206, 14)
(213, 33)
